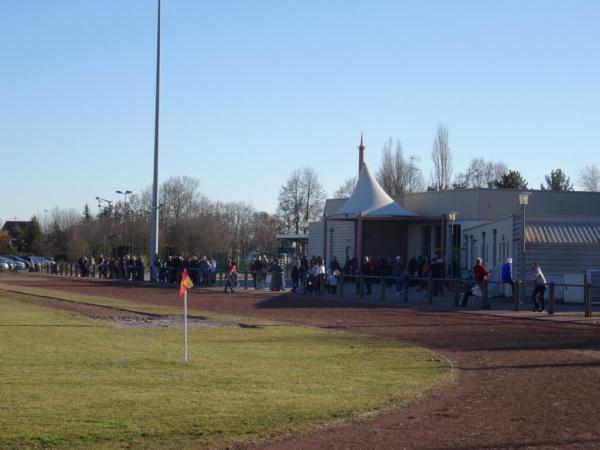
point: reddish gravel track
(522, 383)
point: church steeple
(361, 153)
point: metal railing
(363, 285)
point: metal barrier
(363, 286)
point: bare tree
(346, 189)
(291, 201)
(179, 196)
(480, 173)
(238, 223)
(589, 178)
(5, 241)
(442, 160)
(314, 196)
(301, 199)
(413, 177)
(265, 228)
(397, 175)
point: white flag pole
(185, 328)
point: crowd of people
(313, 275)
(202, 271)
(394, 270)
(123, 268)
(267, 274)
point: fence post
(361, 286)
(430, 290)
(320, 281)
(246, 279)
(516, 291)
(406, 286)
(220, 279)
(71, 269)
(341, 286)
(382, 293)
(456, 288)
(587, 299)
(551, 298)
(485, 304)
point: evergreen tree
(510, 180)
(33, 239)
(557, 181)
(87, 214)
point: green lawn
(69, 381)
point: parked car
(9, 262)
(16, 261)
(23, 261)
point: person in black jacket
(366, 272)
(296, 272)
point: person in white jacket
(540, 287)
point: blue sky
(252, 90)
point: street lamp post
(132, 228)
(109, 209)
(523, 201)
(125, 194)
(452, 218)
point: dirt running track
(522, 383)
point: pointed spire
(370, 200)
(361, 153)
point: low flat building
(558, 229)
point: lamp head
(452, 216)
(524, 198)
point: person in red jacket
(480, 274)
(230, 274)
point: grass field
(70, 381)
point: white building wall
(340, 241)
(494, 251)
(315, 239)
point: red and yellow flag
(186, 283)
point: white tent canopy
(370, 200)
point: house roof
(11, 226)
(370, 200)
(562, 233)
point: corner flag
(186, 283)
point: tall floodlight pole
(154, 225)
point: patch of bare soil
(123, 318)
(523, 384)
